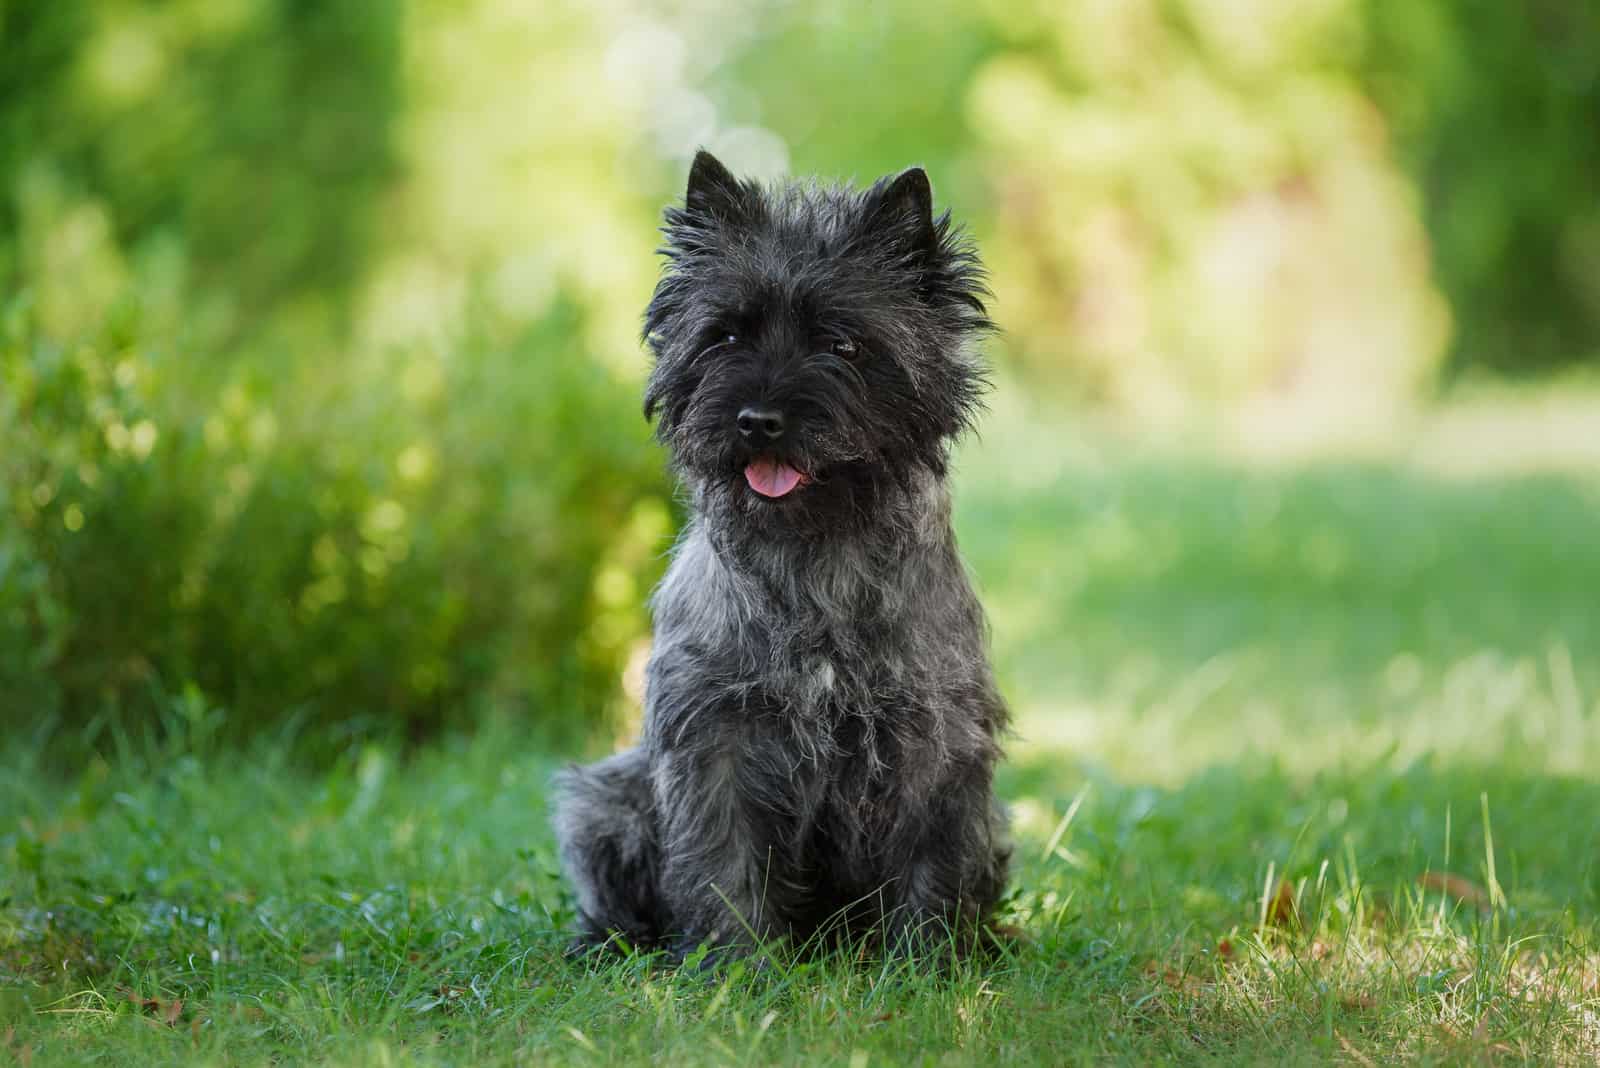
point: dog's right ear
(712, 187)
(906, 206)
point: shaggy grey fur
(821, 721)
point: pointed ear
(712, 187)
(907, 206)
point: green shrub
(257, 134)
(1495, 110)
(1196, 209)
(301, 426)
(371, 557)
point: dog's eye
(730, 339)
(845, 347)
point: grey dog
(821, 720)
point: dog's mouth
(772, 478)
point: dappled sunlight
(1305, 736)
(1481, 709)
(1346, 899)
(1158, 607)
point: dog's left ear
(906, 207)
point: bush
(1197, 209)
(302, 424)
(1494, 108)
(257, 135)
(364, 558)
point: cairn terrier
(821, 721)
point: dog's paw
(596, 947)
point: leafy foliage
(379, 556)
(270, 446)
(1494, 109)
(1196, 206)
(256, 137)
(319, 338)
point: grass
(1307, 770)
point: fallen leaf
(1171, 977)
(1156, 970)
(168, 1012)
(1456, 886)
(1225, 948)
(1280, 910)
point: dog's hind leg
(605, 822)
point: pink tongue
(770, 478)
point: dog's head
(811, 343)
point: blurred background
(320, 371)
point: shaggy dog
(821, 720)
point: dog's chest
(832, 669)
(812, 685)
(836, 715)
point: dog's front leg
(950, 874)
(722, 871)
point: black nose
(760, 425)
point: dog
(821, 721)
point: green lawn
(1307, 769)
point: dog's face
(811, 343)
